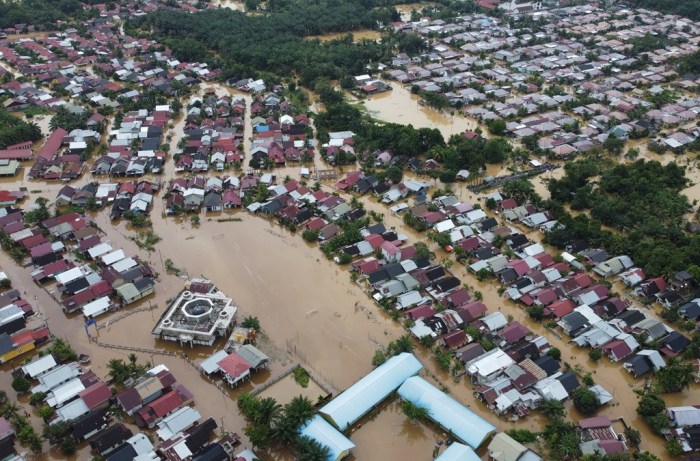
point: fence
(126, 314)
(277, 378)
(130, 348)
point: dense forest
(687, 8)
(14, 130)
(273, 43)
(41, 13)
(640, 202)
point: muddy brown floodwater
(400, 106)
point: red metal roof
(165, 404)
(96, 395)
(53, 143)
(234, 365)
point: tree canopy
(14, 130)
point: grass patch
(146, 240)
(301, 376)
(229, 220)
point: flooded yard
(386, 433)
(287, 388)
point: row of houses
(80, 286)
(133, 197)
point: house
(235, 369)
(643, 362)
(110, 439)
(504, 448)
(489, 365)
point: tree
(674, 447)
(62, 351)
(21, 384)
(310, 235)
(675, 376)
(251, 322)
(497, 127)
(46, 412)
(595, 354)
(299, 410)
(394, 174)
(422, 250)
(552, 409)
(650, 405)
(633, 436)
(614, 145)
(414, 412)
(378, 358)
(554, 353)
(585, 400)
(308, 449)
(402, 344)
(536, 312)
(522, 190)
(55, 433)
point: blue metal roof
(447, 412)
(365, 394)
(458, 452)
(321, 431)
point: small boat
(83, 359)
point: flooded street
(309, 309)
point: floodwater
(357, 35)
(284, 390)
(401, 106)
(406, 9)
(309, 309)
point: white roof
(69, 275)
(209, 365)
(97, 307)
(99, 250)
(140, 443)
(489, 363)
(71, 411)
(321, 431)
(39, 366)
(55, 377)
(458, 452)
(10, 313)
(176, 422)
(124, 264)
(685, 415)
(444, 226)
(551, 388)
(65, 392)
(111, 258)
(603, 395)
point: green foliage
(121, 371)
(688, 9)
(55, 433)
(69, 121)
(379, 357)
(310, 235)
(552, 409)
(37, 398)
(674, 447)
(555, 353)
(595, 354)
(12, 129)
(414, 412)
(562, 439)
(643, 200)
(675, 376)
(251, 322)
(497, 127)
(21, 384)
(301, 376)
(633, 436)
(522, 435)
(62, 351)
(308, 449)
(45, 412)
(443, 357)
(650, 405)
(274, 42)
(690, 64)
(536, 312)
(40, 13)
(585, 400)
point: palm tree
(552, 409)
(10, 410)
(267, 412)
(299, 410)
(414, 412)
(308, 449)
(285, 431)
(405, 344)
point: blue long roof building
(447, 412)
(369, 391)
(321, 431)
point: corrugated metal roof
(321, 431)
(458, 452)
(447, 412)
(365, 394)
